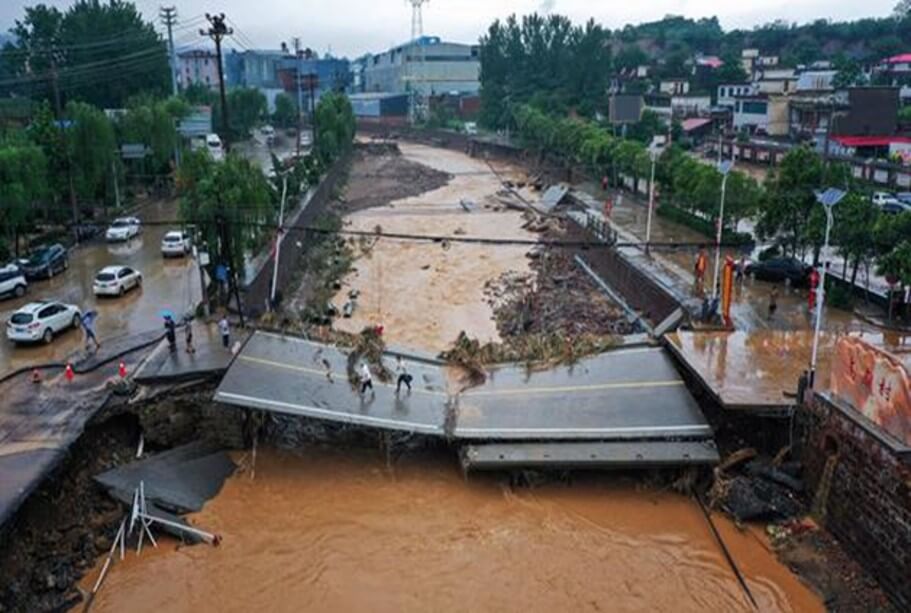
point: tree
(855, 219)
(104, 53)
(246, 105)
(791, 201)
(92, 149)
(902, 10)
(335, 126)
(198, 94)
(49, 138)
(23, 182)
(849, 73)
(285, 115)
(153, 123)
(904, 115)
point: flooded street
(166, 284)
(331, 529)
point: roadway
(626, 394)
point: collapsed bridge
(624, 408)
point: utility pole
(58, 109)
(168, 16)
(217, 31)
(300, 100)
(228, 259)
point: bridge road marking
(688, 429)
(530, 391)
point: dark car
(780, 269)
(45, 262)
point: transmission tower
(417, 106)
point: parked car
(176, 243)
(116, 281)
(268, 134)
(904, 197)
(12, 281)
(780, 269)
(895, 208)
(123, 229)
(883, 198)
(40, 321)
(45, 262)
(214, 147)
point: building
(896, 69)
(380, 108)
(729, 92)
(761, 114)
(674, 87)
(197, 67)
(690, 106)
(816, 81)
(254, 67)
(776, 81)
(749, 60)
(325, 74)
(427, 65)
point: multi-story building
(197, 67)
(776, 80)
(729, 92)
(674, 87)
(761, 114)
(254, 67)
(427, 65)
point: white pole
(724, 183)
(278, 240)
(651, 205)
(821, 301)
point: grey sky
(353, 27)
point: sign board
(875, 384)
(203, 258)
(625, 108)
(197, 123)
(133, 151)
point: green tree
(104, 53)
(92, 147)
(23, 183)
(153, 123)
(335, 126)
(285, 115)
(855, 220)
(246, 107)
(904, 114)
(49, 138)
(198, 94)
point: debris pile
(749, 487)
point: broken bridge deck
(629, 394)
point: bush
(703, 226)
(839, 295)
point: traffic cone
(69, 374)
(122, 370)
(36, 376)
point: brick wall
(868, 507)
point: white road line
(690, 428)
(336, 415)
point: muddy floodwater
(336, 530)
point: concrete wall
(868, 506)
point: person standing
(171, 333)
(88, 326)
(773, 302)
(188, 329)
(366, 379)
(224, 328)
(702, 262)
(403, 376)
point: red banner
(874, 383)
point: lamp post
(828, 199)
(654, 151)
(725, 169)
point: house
(254, 67)
(690, 106)
(857, 111)
(674, 87)
(749, 60)
(776, 80)
(428, 65)
(816, 81)
(728, 92)
(197, 67)
(895, 69)
(762, 114)
(767, 61)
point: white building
(728, 92)
(197, 66)
(427, 65)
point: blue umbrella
(167, 314)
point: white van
(214, 147)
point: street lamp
(654, 152)
(724, 168)
(828, 199)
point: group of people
(170, 326)
(403, 377)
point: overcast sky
(353, 27)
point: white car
(12, 281)
(214, 147)
(123, 229)
(883, 198)
(116, 281)
(40, 321)
(176, 243)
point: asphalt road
(167, 284)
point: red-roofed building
(897, 68)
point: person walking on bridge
(366, 379)
(224, 328)
(403, 376)
(171, 333)
(88, 326)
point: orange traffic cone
(122, 370)
(36, 376)
(69, 374)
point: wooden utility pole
(58, 110)
(217, 31)
(168, 15)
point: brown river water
(329, 529)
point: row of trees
(785, 207)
